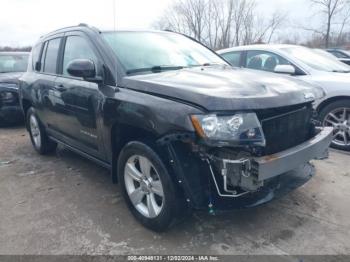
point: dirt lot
(64, 204)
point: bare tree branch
(221, 23)
(331, 9)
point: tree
(331, 10)
(221, 23)
(15, 49)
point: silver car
(311, 66)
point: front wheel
(41, 142)
(337, 115)
(147, 187)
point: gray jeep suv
(178, 127)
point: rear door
(81, 99)
(45, 86)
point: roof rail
(81, 25)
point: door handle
(60, 88)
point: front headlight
(7, 96)
(239, 129)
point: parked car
(12, 66)
(308, 65)
(177, 126)
(342, 55)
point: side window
(50, 62)
(233, 58)
(36, 55)
(265, 61)
(43, 57)
(77, 47)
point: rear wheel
(147, 187)
(337, 115)
(41, 142)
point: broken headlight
(239, 129)
(7, 96)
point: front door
(82, 99)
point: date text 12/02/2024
(173, 258)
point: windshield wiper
(209, 64)
(212, 64)
(154, 69)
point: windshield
(325, 53)
(157, 51)
(13, 63)
(316, 60)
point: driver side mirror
(285, 69)
(84, 68)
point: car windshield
(158, 51)
(13, 63)
(325, 53)
(316, 60)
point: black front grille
(288, 129)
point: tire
(341, 124)
(160, 219)
(41, 142)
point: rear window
(50, 62)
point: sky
(22, 22)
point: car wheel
(337, 115)
(147, 187)
(41, 142)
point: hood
(332, 81)
(10, 78)
(220, 88)
(331, 77)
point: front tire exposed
(41, 142)
(337, 115)
(147, 187)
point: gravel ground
(64, 204)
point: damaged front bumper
(232, 181)
(249, 174)
(240, 177)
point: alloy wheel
(35, 131)
(143, 185)
(339, 119)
